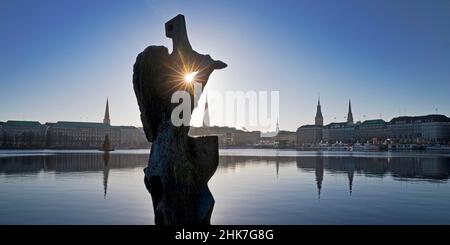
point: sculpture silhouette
(179, 166)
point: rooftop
(67, 124)
(426, 118)
(310, 126)
(339, 125)
(285, 132)
(372, 122)
(28, 124)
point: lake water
(250, 187)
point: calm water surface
(250, 187)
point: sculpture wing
(147, 82)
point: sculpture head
(176, 30)
(185, 60)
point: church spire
(319, 117)
(106, 119)
(350, 114)
(278, 127)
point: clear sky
(59, 60)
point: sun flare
(189, 78)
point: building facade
(428, 129)
(131, 137)
(70, 135)
(285, 139)
(342, 132)
(436, 132)
(372, 131)
(229, 137)
(90, 135)
(309, 134)
(81, 135)
(22, 134)
(243, 138)
(420, 129)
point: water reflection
(105, 173)
(66, 163)
(70, 163)
(319, 175)
(312, 189)
(433, 169)
(401, 168)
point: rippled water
(250, 187)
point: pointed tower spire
(319, 117)
(206, 122)
(106, 119)
(278, 127)
(350, 114)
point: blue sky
(59, 60)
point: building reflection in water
(410, 168)
(404, 168)
(277, 164)
(350, 166)
(105, 173)
(66, 163)
(318, 169)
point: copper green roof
(426, 118)
(334, 125)
(310, 126)
(373, 122)
(25, 124)
(66, 124)
(125, 127)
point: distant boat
(339, 146)
(365, 147)
(106, 145)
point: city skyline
(61, 60)
(318, 120)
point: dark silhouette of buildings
(22, 134)
(428, 129)
(70, 135)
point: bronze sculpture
(179, 166)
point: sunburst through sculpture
(189, 77)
